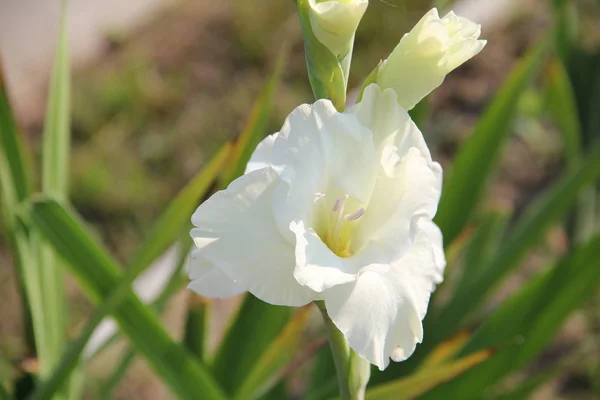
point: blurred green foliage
(160, 104)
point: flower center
(337, 226)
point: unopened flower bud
(334, 22)
(425, 55)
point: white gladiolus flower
(335, 207)
(425, 55)
(334, 22)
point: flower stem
(352, 371)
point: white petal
(261, 158)
(380, 314)
(316, 265)
(319, 149)
(237, 233)
(377, 317)
(390, 123)
(209, 281)
(433, 233)
(398, 202)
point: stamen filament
(355, 216)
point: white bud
(425, 55)
(334, 22)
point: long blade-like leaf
(551, 207)
(419, 383)
(257, 320)
(563, 109)
(99, 274)
(260, 378)
(482, 248)
(177, 214)
(523, 326)
(55, 177)
(446, 351)
(476, 159)
(15, 187)
(15, 171)
(175, 284)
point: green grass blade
(171, 223)
(560, 101)
(255, 128)
(476, 159)
(175, 284)
(167, 230)
(177, 215)
(73, 354)
(4, 394)
(196, 326)
(99, 274)
(523, 326)
(323, 382)
(262, 376)
(257, 320)
(550, 208)
(56, 140)
(482, 248)
(525, 389)
(420, 382)
(15, 167)
(15, 187)
(55, 177)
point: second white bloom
(335, 207)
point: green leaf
(15, 171)
(482, 248)
(99, 274)
(420, 382)
(56, 139)
(525, 324)
(583, 67)
(445, 351)
(477, 158)
(323, 383)
(175, 284)
(177, 214)
(324, 70)
(55, 178)
(196, 326)
(255, 128)
(262, 376)
(4, 395)
(539, 216)
(525, 389)
(563, 109)
(257, 320)
(15, 187)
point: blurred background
(160, 85)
